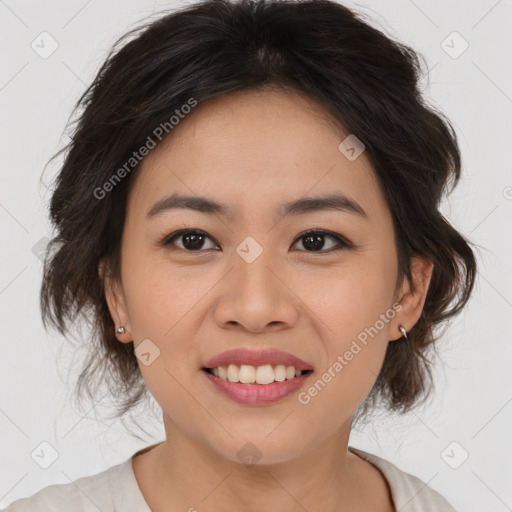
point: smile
(271, 387)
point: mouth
(262, 375)
(257, 377)
(244, 359)
(256, 386)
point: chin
(260, 450)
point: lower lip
(257, 394)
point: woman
(248, 212)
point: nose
(257, 297)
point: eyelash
(343, 242)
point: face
(252, 279)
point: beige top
(116, 490)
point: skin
(253, 151)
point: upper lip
(247, 356)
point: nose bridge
(254, 296)
(252, 267)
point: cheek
(161, 309)
(355, 325)
(160, 294)
(355, 347)
(162, 303)
(351, 300)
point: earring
(403, 331)
(120, 330)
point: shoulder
(86, 494)
(409, 493)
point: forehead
(256, 148)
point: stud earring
(403, 331)
(120, 330)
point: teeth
(280, 372)
(290, 372)
(264, 374)
(247, 374)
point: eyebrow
(338, 202)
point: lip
(257, 394)
(271, 356)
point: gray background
(471, 405)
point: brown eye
(314, 240)
(191, 239)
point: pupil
(193, 241)
(316, 241)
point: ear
(412, 298)
(116, 301)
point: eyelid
(340, 238)
(168, 239)
(343, 242)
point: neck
(184, 474)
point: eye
(314, 239)
(193, 240)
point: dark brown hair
(366, 80)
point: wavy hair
(366, 80)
